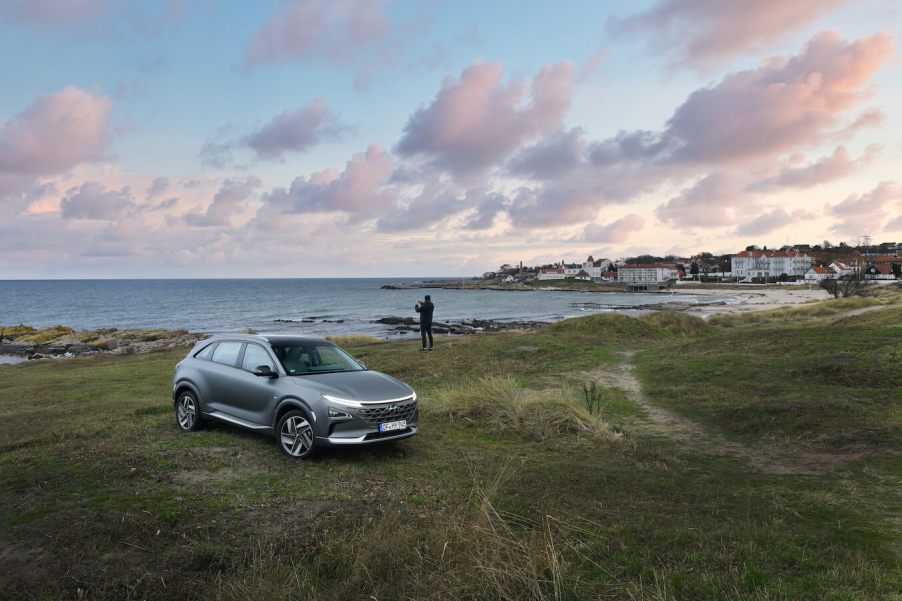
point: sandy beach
(750, 298)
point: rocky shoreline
(402, 325)
(60, 341)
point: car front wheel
(187, 412)
(296, 436)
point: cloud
(476, 121)
(360, 188)
(708, 202)
(617, 231)
(705, 32)
(765, 223)
(47, 13)
(304, 29)
(92, 200)
(830, 168)
(55, 133)
(295, 131)
(864, 213)
(779, 106)
(227, 202)
(551, 157)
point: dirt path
(767, 458)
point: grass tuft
(674, 322)
(504, 406)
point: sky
(358, 138)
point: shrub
(676, 323)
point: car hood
(356, 385)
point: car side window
(227, 353)
(206, 352)
(255, 356)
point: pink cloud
(57, 132)
(865, 213)
(704, 32)
(360, 188)
(302, 29)
(477, 120)
(708, 202)
(617, 231)
(779, 106)
(295, 131)
(830, 168)
(232, 196)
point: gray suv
(305, 391)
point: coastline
(60, 341)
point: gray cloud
(704, 32)
(295, 131)
(93, 201)
(227, 202)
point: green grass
(512, 490)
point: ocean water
(314, 306)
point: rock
(133, 472)
(392, 321)
(109, 344)
(79, 348)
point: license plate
(389, 426)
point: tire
(295, 435)
(187, 412)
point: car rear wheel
(296, 436)
(187, 412)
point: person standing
(425, 309)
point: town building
(817, 274)
(754, 264)
(646, 276)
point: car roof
(270, 338)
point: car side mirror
(265, 371)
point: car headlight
(344, 402)
(414, 395)
(338, 414)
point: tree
(844, 286)
(693, 269)
(897, 271)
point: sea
(322, 307)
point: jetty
(594, 306)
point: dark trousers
(426, 329)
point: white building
(816, 274)
(769, 264)
(553, 273)
(646, 276)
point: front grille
(390, 412)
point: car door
(253, 396)
(220, 373)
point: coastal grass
(101, 497)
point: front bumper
(374, 437)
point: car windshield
(302, 358)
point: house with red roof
(751, 264)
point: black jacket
(425, 310)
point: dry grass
(502, 405)
(812, 311)
(676, 323)
(475, 552)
